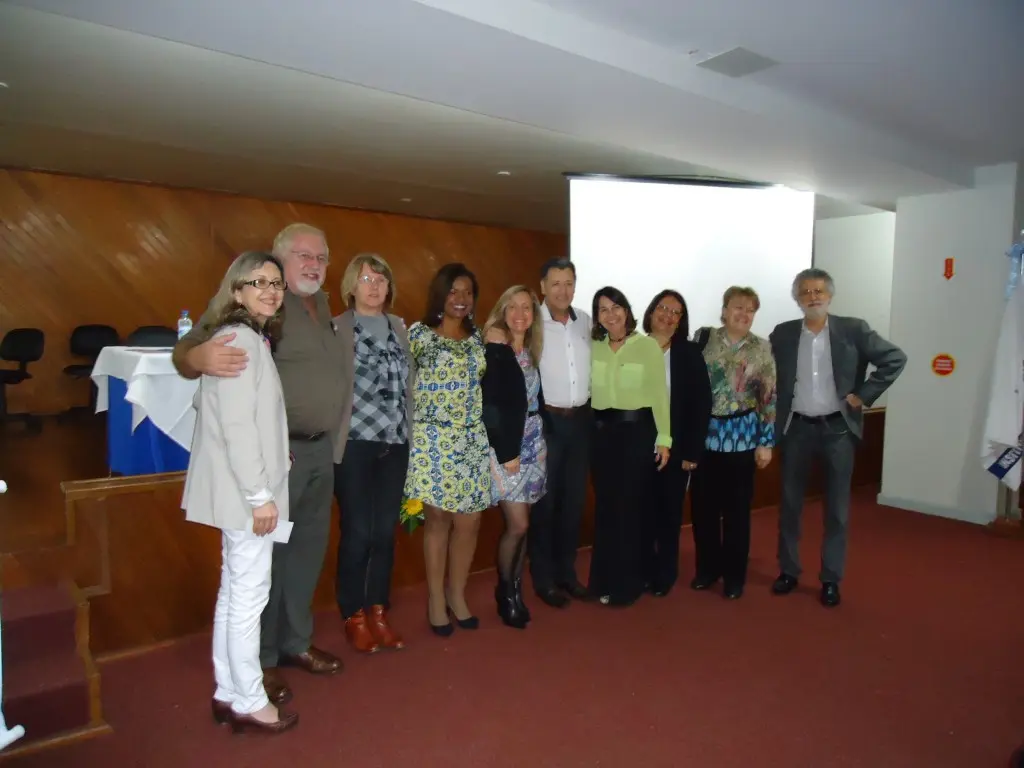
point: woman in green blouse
(631, 431)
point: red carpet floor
(919, 668)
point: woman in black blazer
(666, 320)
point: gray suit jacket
(854, 345)
(345, 326)
(240, 442)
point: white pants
(244, 591)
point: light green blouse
(631, 379)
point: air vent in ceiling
(738, 62)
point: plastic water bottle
(184, 324)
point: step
(47, 694)
(37, 622)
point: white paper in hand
(281, 533)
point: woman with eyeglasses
(369, 473)
(667, 322)
(237, 481)
(449, 462)
(632, 435)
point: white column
(934, 423)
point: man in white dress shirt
(565, 378)
(823, 388)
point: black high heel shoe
(441, 630)
(471, 623)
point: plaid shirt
(378, 390)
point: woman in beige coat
(238, 482)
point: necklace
(616, 341)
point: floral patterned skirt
(449, 467)
(530, 482)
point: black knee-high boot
(517, 579)
(505, 595)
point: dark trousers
(368, 485)
(555, 520)
(662, 522)
(832, 441)
(723, 488)
(623, 456)
(287, 621)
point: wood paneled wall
(75, 251)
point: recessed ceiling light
(504, 173)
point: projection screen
(643, 236)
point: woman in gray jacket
(238, 482)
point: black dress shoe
(553, 597)
(784, 584)
(702, 582)
(575, 590)
(830, 594)
(733, 591)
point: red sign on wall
(943, 365)
(947, 270)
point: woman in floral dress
(448, 461)
(513, 403)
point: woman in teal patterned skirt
(449, 461)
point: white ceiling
(414, 106)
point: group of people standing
(295, 404)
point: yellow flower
(414, 506)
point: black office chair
(152, 336)
(21, 346)
(88, 341)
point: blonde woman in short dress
(513, 404)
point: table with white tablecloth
(150, 410)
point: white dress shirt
(815, 391)
(565, 360)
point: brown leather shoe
(221, 712)
(314, 661)
(277, 689)
(382, 631)
(359, 635)
(284, 722)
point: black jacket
(689, 400)
(505, 401)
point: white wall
(858, 251)
(934, 424)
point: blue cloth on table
(145, 451)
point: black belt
(563, 411)
(619, 416)
(532, 413)
(306, 438)
(818, 419)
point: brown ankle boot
(359, 635)
(382, 631)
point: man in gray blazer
(823, 388)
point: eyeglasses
(815, 292)
(369, 281)
(670, 310)
(262, 284)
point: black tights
(511, 553)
